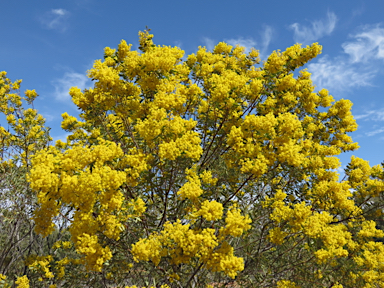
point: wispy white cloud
(60, 12)
(55, 19)
(372, 115)
(358, 11)
(367, 45)
(208, 43)
(357, 67)
(178, 43)
(69, 79)
(266, 37)
(48, 117)
(338, 74)
(247, 43)
(319, 29)
(374, 132)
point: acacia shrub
(213, 169)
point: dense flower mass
(213, 171)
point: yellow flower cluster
(69, 123)
(236, 224)
(211, 210)
(192, 188)
(60, 266)
(62, 244)
(27, 133)
(3, 283)
(207, 178)
(95, 254)
(180, 140)
(286, 284)
(22, 282)
(81, 179)
(41, 264)
(276, 235)
(182, 244)
(138, 206)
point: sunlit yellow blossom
(192, 188)
(211, 210)
(236, 223)
(286, 284)
(22, 282)
(276, 236)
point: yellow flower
(30, 94)
(211, 210)
(236, 224)
(22, 282)
(277, 236)
(286, 284)
(191, 189)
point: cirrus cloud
(319, 29)
(247, 43)
(70, 79)
(367, 45)
(357, 67)
(55, 19)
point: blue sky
(51, 44)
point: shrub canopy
(212, 171)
